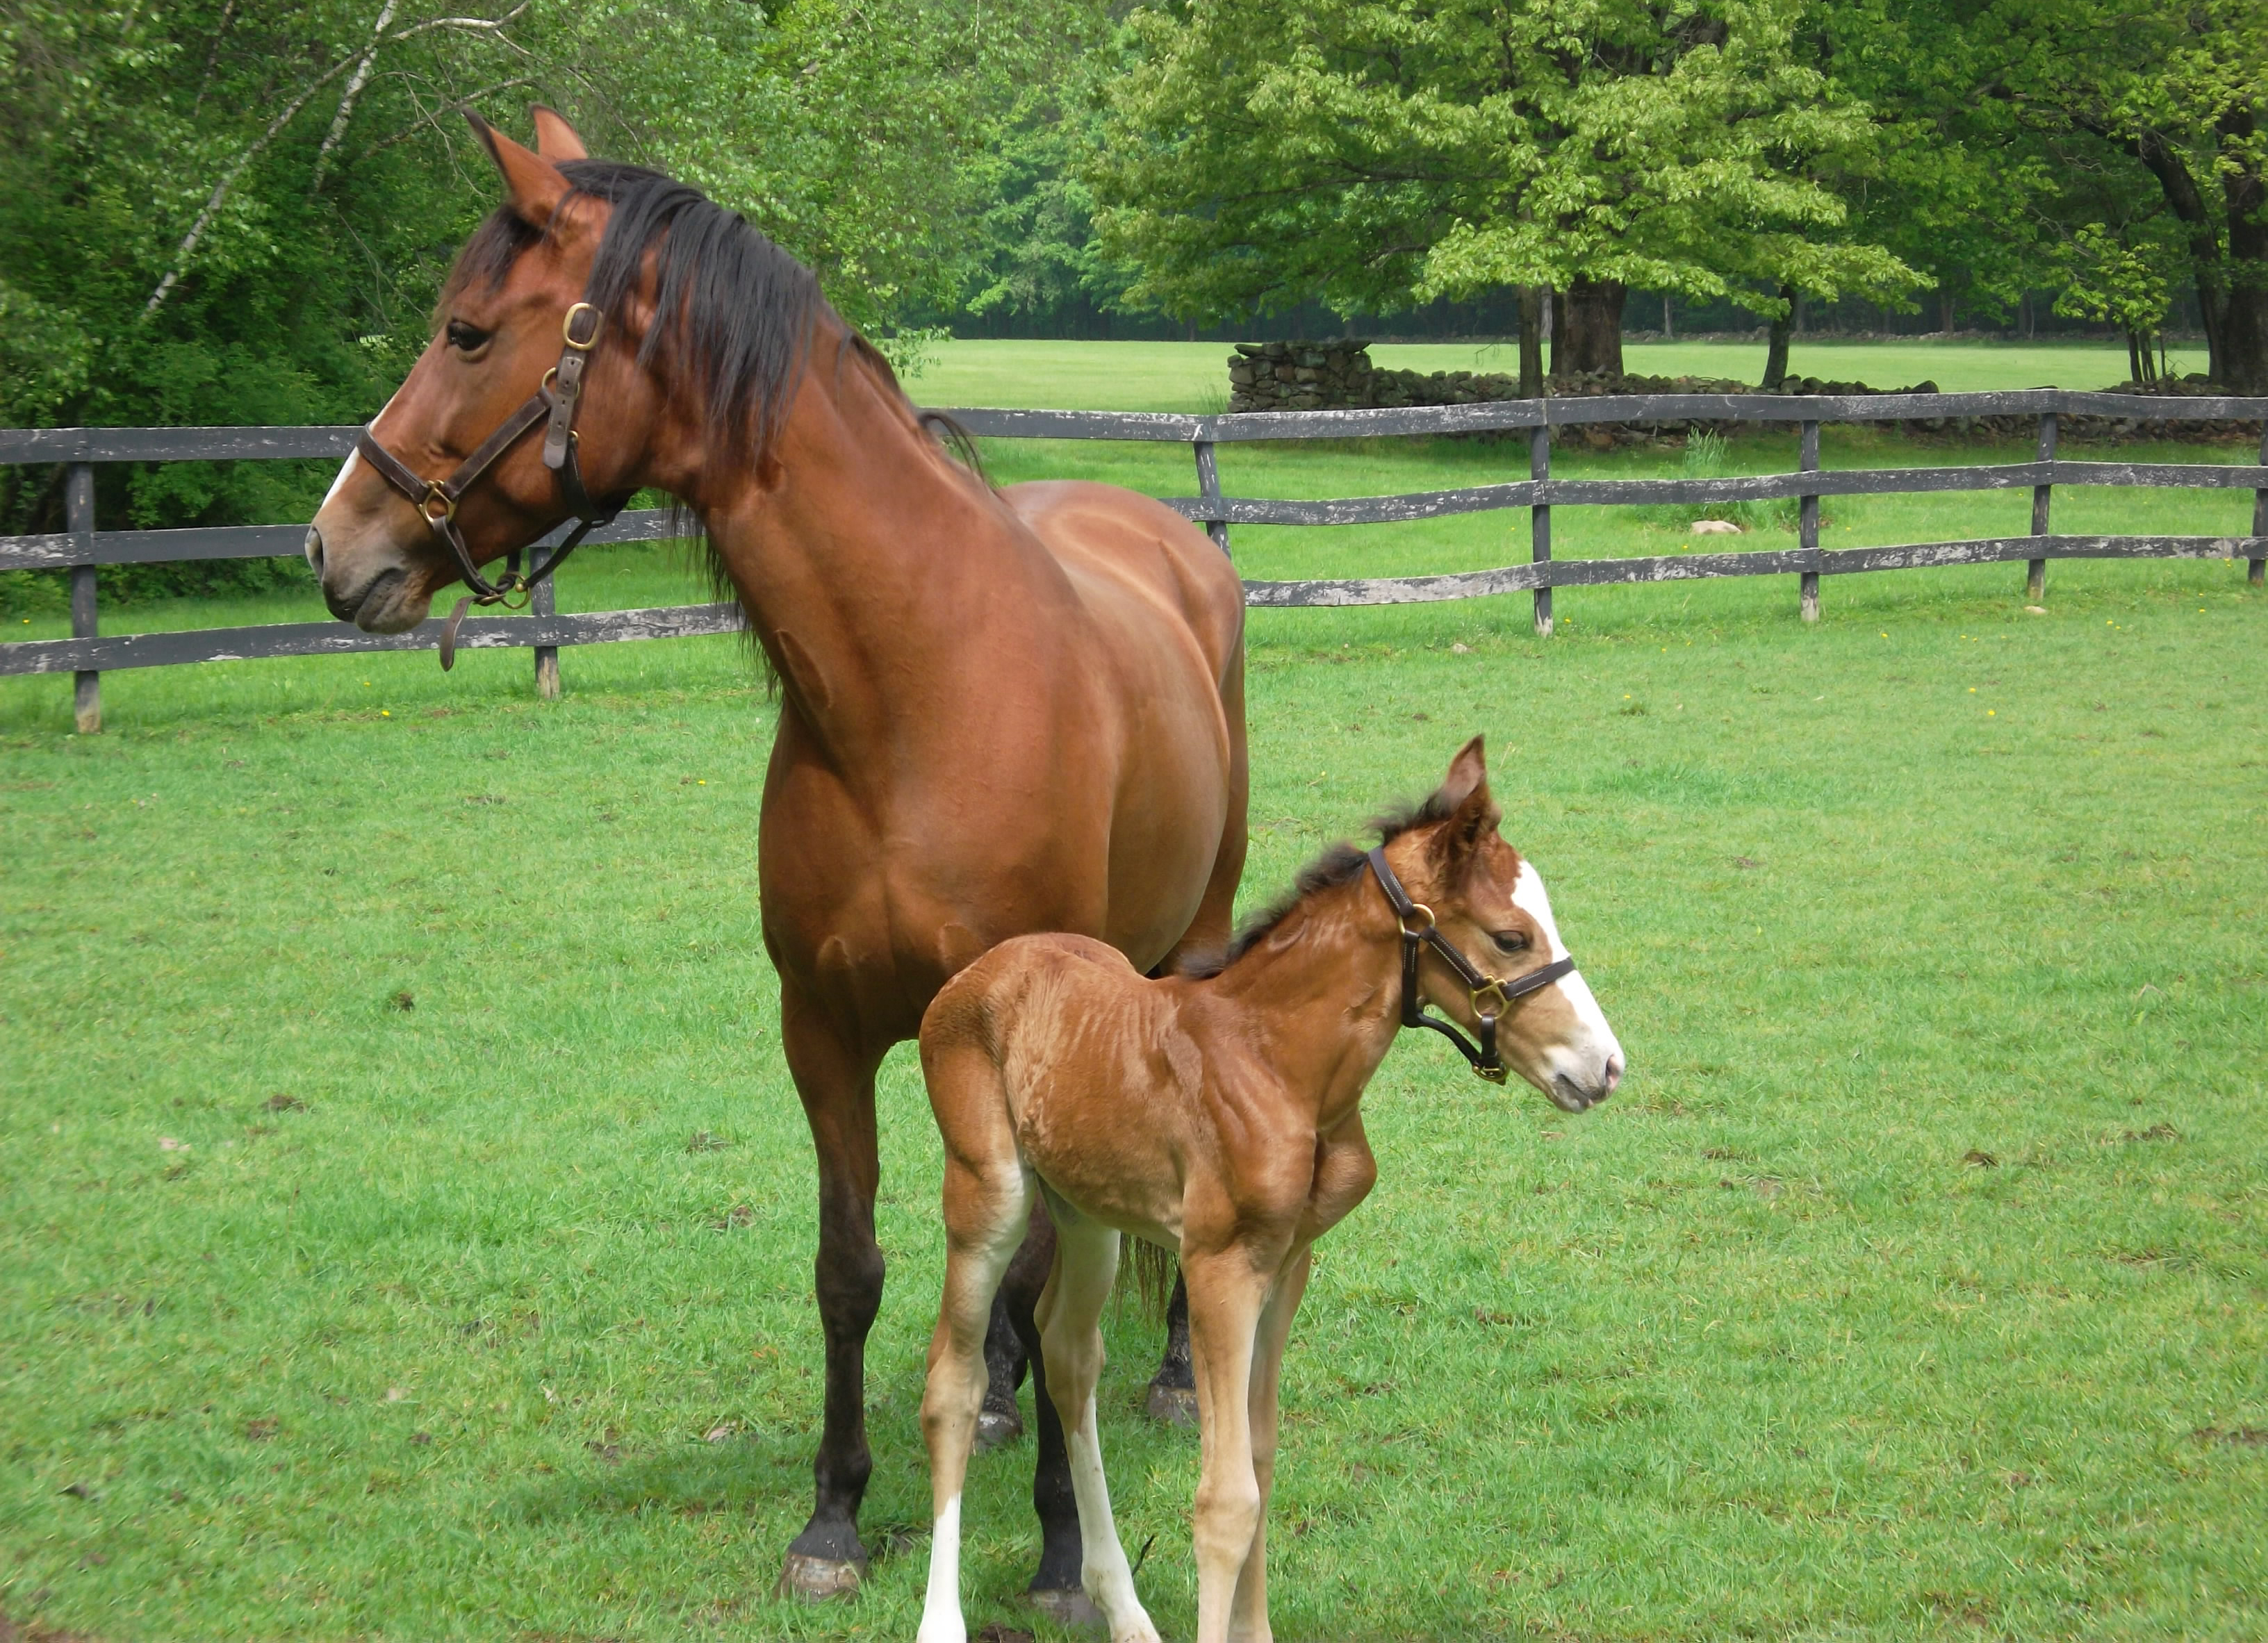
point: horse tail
(1153, 1268)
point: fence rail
(81, 547)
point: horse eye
(467, 339)
(1509, 941)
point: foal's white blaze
(1592, 1053)
(941, 1621)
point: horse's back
(1117, 544)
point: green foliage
(238, 211)
(1375, 155)
(2026, 138)
(1037, 249)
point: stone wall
(1336, 374)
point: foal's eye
(467, 339)
(1509, 941)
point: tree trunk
(2182, 194)
(1945, 308)
(1531, 343)
(1776, 351)
(1592, 321)
(2244, 324)
(1551, 329)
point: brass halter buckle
(581, 344)
(1492, 995)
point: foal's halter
(436, 499)
(1490, 997)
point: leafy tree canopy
(1376, 152)
(239, 211)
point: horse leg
(1173, 1397)
(1000, 1423)
(1248, 1614)
(836, 1082)
(1070, 1330)
(1056, 1586)
(1226, 1299)
(986, 1205)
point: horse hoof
(997, 1428)
(815, 1580)
(1069, 1607)
(1173, 1405)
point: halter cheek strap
(553, 403)
(1490, 997)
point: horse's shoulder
(1084, 521)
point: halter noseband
(1490, 996)
(556, 398)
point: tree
(2023, 136)
(239, 211)
(1375, 155)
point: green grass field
(1193, 376)
(405, 1218)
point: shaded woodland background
(239, 211)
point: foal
(1217, 1115)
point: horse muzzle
(377, 600)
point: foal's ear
(555, 138)
(536, 186)
(1473, 810)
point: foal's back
(1052, 1052)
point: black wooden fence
(81, 547)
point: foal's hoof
(1069, 1607)
(997, 1428)
(815, 1580)
(1173, 1405)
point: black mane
(1341, 864)
(739, 309)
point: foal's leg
(1227, 1297)
(835, 1079)
(1248, 1616)
(986, 1204)
(1070, 1333)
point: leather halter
(556, 398)
(1490, 997)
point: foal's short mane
(1341, 864)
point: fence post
(544, 601)
(2036, 571)
(1539, 521)
(1807, 523)
(78, 519)
(2260, 513)
(1209, 488)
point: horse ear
(555, 138)
(1473, 810)
(536, 186)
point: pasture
(408, 1219)
(1190, 376)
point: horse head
(1487, 903)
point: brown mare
(1217, 1115)
(1004, 710)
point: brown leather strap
(555, 402)
(1490, 997)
